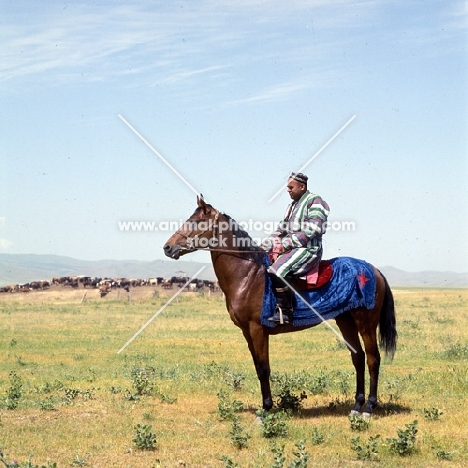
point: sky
(117, 111)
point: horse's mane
(249, 247)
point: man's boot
(284, 306)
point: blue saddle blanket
(352, 285)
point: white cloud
(189, 73)
(152, 43)
(274, 93)
(110, 40)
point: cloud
(147, 43)
(180, 76)
(111, 40)
(274, 93)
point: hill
(22, 268)
(428, 279)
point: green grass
(79, 403)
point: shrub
(47, 404)
(273, 424)
(317, 437)
(14, 391)
(143, 438)
(229, 462)
(234, 380)
(302, 457)
(227, 408)
(239, 438)
(443, 454)
(432, 414)
(290, 401)
(286, 385)
(27, 464)
(357, 423)
(367, 451)
(404, 444)
(456, 351)
(142, 380)
(279, 458)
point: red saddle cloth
(318, 276)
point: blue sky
(235, 95)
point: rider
(296, 246)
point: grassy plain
(77, 404)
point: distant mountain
(23, 268)
(425, 279)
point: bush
(317, 437)
(432, 414)
(404, 444)
(27, 464)
(456, 351)
(227, 408)
(358, 424)
(302, 457)
(239, 438)
(273, 424)
(14, 391)
(143, 438)
(367, 451)
(142, 380)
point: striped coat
(300, 236)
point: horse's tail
(387, 325)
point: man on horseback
(296, 246)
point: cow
(104, 289)
(167, 284)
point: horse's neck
(233, 272)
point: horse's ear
(201, 202)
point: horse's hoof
(366, 416)
(353, 412)
(258, 420)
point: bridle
(214, 227)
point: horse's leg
(373, 364)
(257, 340)
(367, 321)
(349, 330)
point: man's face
(296, 189)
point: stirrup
(279, 317)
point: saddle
(319, 275)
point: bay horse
(240, 270)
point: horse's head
(197, 232)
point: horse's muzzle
(172, 251)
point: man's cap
(299, 176)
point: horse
(241, 273)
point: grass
(79, 401)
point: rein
(210, 249)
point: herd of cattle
(106, 285)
